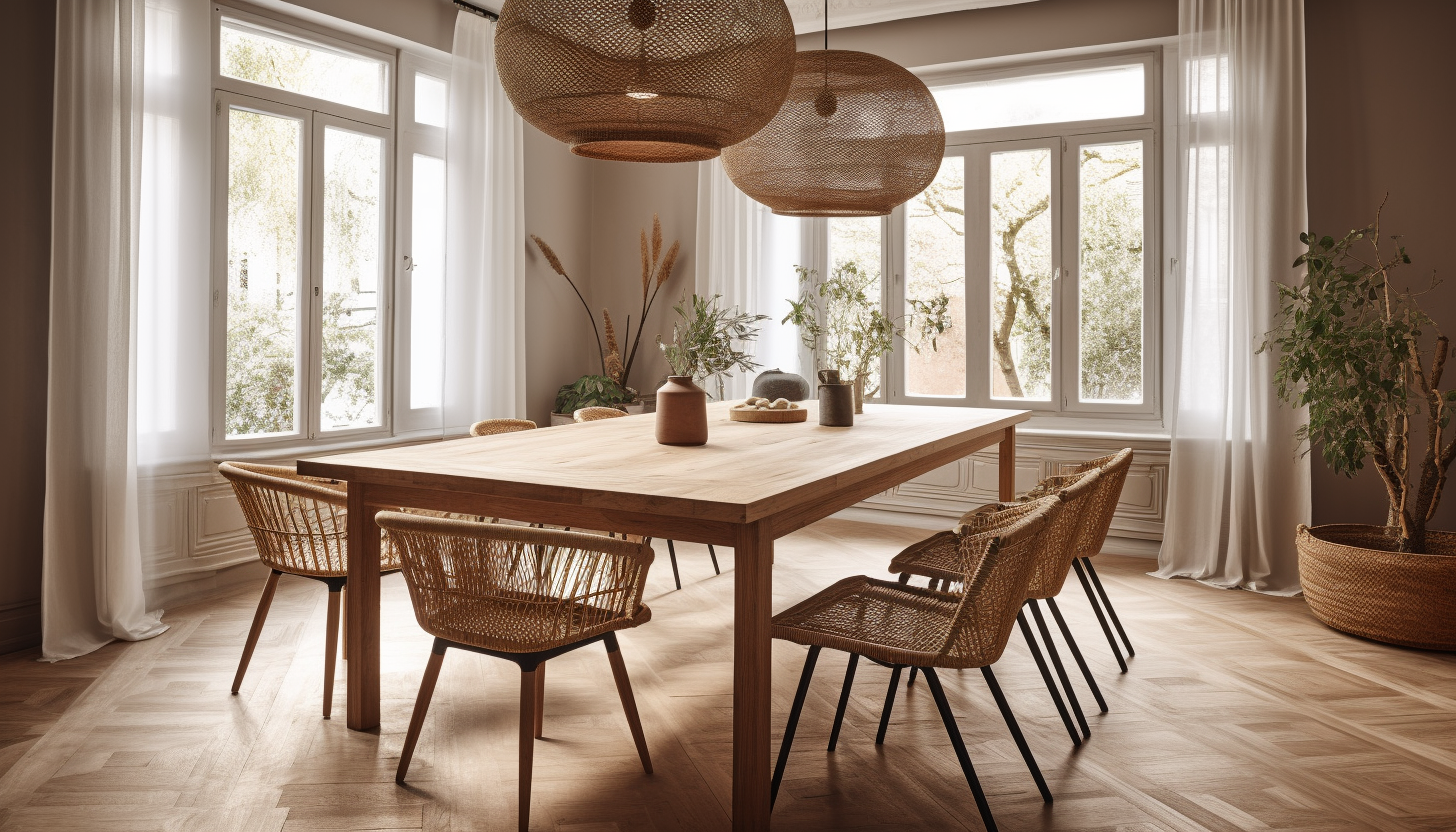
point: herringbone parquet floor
(1240, 712)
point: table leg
(363, 612)
(752, 676)
(1006, 466)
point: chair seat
(881, 620)
(525, 623)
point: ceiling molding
(809, 14)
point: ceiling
(809, 14)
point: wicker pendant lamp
(857, 136)
(646, 80)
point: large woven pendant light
(857, 136)
(646, 80)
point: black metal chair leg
(960, 748)
(1077, 653)
(843, 700)
(1056, 657)
(1107, 602)
(714, 555)
(1015, 728)
(904, 577)
(1097, 608)
(799, 695)
(889, 706)
(672, 556)
(1046, 676)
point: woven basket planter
(1355, 583)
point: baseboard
(19, 626)
(199, 587)
(1130, 546)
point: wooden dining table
(749, 485)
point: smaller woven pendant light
(857, 136)
(646, 80)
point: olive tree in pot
(1368, 363)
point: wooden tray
(798, 414)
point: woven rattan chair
(521, 594)
(1093, 534)
(937, 559)
(491, 427)
(593, 414)
(899, 626)
(300, 526)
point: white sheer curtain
(92, 587)
(173, 308)
(746, 254)
(484, 332)
(1236, 490)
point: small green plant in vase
(708, 342)
(847, 331)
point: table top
(747, 471)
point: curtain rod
(486, 13)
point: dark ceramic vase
(777, 384)
(682, 413)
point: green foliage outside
(263, 320)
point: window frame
(316, 115)
(1065, 139)
(412, 137)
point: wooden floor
(1240, 712)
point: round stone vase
(682, 412)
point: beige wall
(25, 207)
(1381, 120)
(559, 346)
(624, 198)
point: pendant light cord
(826, 25)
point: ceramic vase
(682, 412)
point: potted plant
(657, 269)
(1350, 348)
(848, 332)
(703, 343)
(589, 391)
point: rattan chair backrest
(298, 523)
(514, 588)
(491, 427)
(1103, 503)
(592, 414)
(998, 550)
(1058, 543)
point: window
(1038, 229)
(313, 232)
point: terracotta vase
(682, 412)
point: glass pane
(264, 171)
(854, 255)
(284, 62)
(430, 100)
(935, 254)
(427, 281)
(1110, 274)
(1021, 274)
(1080, 95)
(353, 194)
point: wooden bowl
(743, 414)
